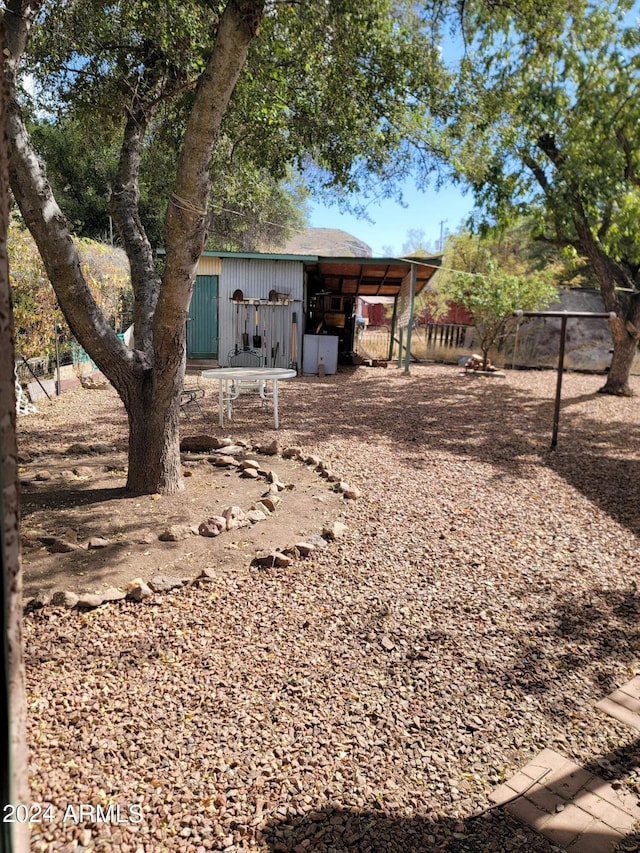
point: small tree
(489, 290)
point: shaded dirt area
(369, 697)
(78, 497)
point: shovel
(245, 334)
(257, 340)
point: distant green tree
(549, 120)
(490, 283)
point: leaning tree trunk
(10, 520)
(626, 333)
(625, 327)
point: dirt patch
(80, 497)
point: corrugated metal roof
(357, 276)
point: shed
(278, 298)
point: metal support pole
(393, 328)
(564, 316)
(556, 409)
(58, 385)
(400, 337)
(410, 327)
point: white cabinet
(320, 349)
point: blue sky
(391, 221)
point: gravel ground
(369, 698)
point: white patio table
(233, 380)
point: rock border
(223, 453)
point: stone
(64, 598)
(213, 526)
(24, 458)
(255, 515)
(305, 548)
(387, 643)
(101, 448)
(164, 583)
(78, 450)
(175, 533)
(293, 452)
(89, 601)
(83, 471)
(43, 476)
(39, 600)
(270, 501)
(200, 443)
(335, 530)
(291, 551)
(264, 559)
(317, 541)
(97, 542)
(187, 473)
(209, 574)
(112, 593)
(275, 480)
(281, 559)
(251, 463)
(262, 507)
(137, 590)
(224, 461)
(58, 545)
(270, 449)
(313, 460)
(231, 450)
(235, 517)
(350, 492)
(250, 474)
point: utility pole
(442, 224)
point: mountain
(325, 241)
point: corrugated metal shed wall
(256, 278)
(209, 266)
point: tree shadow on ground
(596, 637)
(337, 830)
(424, 414)
(603, 465)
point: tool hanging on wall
(245, 336)
(272, 319)
(238, 297)
(257, 340)
(293, 364)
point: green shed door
(202, 323)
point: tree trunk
(625, 327)
(149, 378)
(154, 441)
(9, 534)
(625, 335)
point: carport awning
(369, 276)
